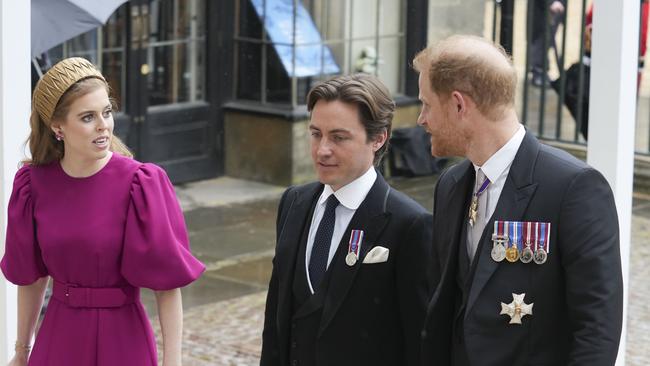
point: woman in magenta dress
(101, 225)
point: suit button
(294, 363)
(294, 344)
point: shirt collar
(503, 158)
(352, 194)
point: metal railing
(558, 109)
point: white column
(15, 89)
(612, 109)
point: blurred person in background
(547, 16)
(576, 92)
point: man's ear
(460, 102)
(379, 140)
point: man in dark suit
(351, 280)
(526, 245)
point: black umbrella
(56, 21)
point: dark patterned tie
(322, 241)
(476, 231)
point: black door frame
(186, 139)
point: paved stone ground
(227, 333)
(638, 332)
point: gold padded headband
(58, 80)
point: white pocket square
(378, 254)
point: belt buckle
(68, 286)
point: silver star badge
(517, 308)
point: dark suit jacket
(577, 293)
(373, 313)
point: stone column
(447, 17)
(612, 109)
(15, 85)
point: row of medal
(521, 241)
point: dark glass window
(282, 47)
(104, 47)
(176, 51)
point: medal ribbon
(548, 238)
(527, 228)
(545, 236)
(499, 229)
(355, 242)
(536, 236)
(483, 187)
(519, 238)
(513, 235)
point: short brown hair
(369, 94)
(462, 63)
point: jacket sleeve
(430, 347)
(156, 252)
(271, 355)
(415, 283)
(22, 262)
(435, 255)
(588, 241)
(270, 349)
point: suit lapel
(288, 246)
(513, 201)
(452, 198)
(455, 236)
(370, 217)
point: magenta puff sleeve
(22, 263)
(156, 252)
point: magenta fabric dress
(119, 228)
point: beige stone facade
(275, 149)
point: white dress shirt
(496, 169)
(350, 197)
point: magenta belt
(94, 297)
